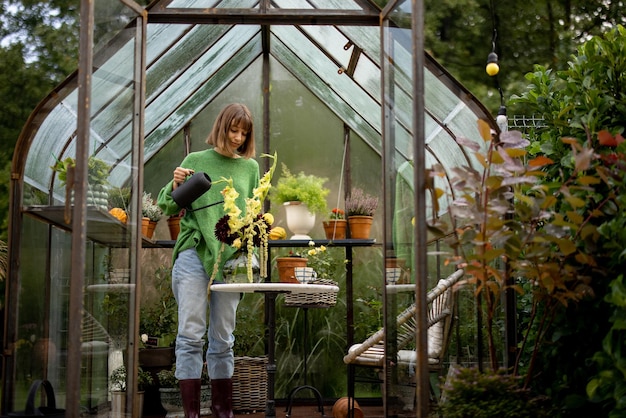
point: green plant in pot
(149, 208)
(97, 170)
(151, 214)
(97, 179)
(303, 196)
(117, 380)
(117, 385)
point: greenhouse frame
(343, 83)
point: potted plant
(336, 226)
(287, 264)
(360, 208)
(117, 384)
(303, 196)
(170, 392)
(97, 179)
(151, 214)
(173, 224)
(323, 261)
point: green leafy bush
(586, 105)
(469, 393)
(305, 188)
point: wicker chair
(371, 352)
(95, 338)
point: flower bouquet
(246, 230)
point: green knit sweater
(197, 228)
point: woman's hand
(180, 175)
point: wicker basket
(315, 300)
(250, 384)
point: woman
(195, 253)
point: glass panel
(45, 329)
(110, 17)
(398, 279)
(315, 71)
(318, 4)
(191, 91)
(336, 4)
(189, 4)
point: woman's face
(235, 138)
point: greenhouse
(339, 89)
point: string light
(492, 64)
(492, 69)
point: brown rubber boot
(190, 393)
(222, 398)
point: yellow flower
(269, 218)
(249, 228)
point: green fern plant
(305, 188)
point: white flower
(144, 338)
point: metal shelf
(102, 227)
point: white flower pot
(300, 220)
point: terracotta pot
(335, 228)
(392, 262)
(286, 266)
(360, 226)
(145, 227)
(173, 224)
(340, 409)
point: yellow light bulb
(492, 68)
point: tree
(549, 213)
(459, 34)
(586, 104)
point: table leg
(270, 312)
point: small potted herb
(336, 226)
(151, 214)
(360, 208)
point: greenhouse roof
(195, 49)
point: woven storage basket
(318, 300)
(250, 384)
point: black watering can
(188, 192)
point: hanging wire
(494, 38)
(343, 164)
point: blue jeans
(189, 284)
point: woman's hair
(236, 114)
